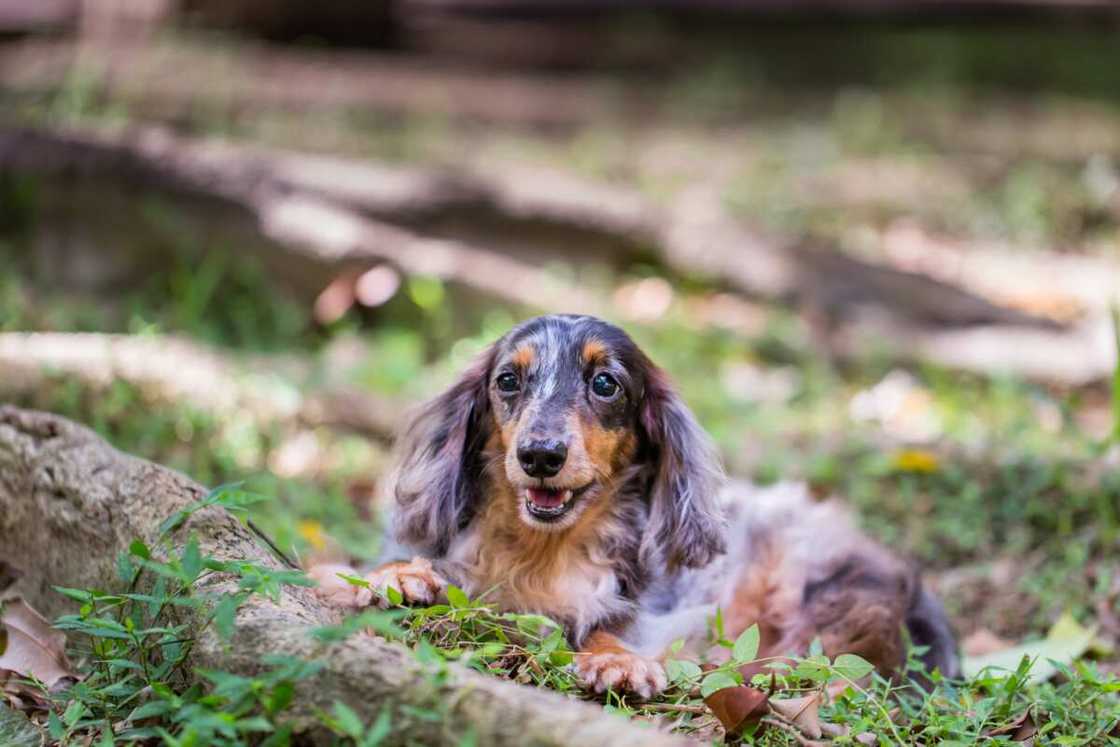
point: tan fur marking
(524, 356)
(593, 350)
(601, 642)
(609, 450)
(765, 595)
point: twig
(675, 708)
(789, 729)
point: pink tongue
(546, 498)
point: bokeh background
(875, 242)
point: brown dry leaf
(866, 737)
(736, 707)
(804, 713)
(34, 649)
(1019, 729)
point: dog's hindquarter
(801, 570)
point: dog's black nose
(542, 457)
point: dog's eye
(604, 386)
(508, 382)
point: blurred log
(172, 370)
(328, 210)
(174, 81)
(320, 206)
(302, 203)
(41, 15)
(70, 504)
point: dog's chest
(570, 585)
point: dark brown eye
(508, 383)
(605, 386)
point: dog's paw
(622, 670)
(337, 591)
(417, 582)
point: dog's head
(563, 414)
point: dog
(562, 474)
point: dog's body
(563, 475)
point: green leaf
(140, 550)
(746, 645)
(280, 697)
(55, 727)
(815, 668)
(73, 712)
(254, 723)
(458, 599)
(150, 709)
(393, 596)
(354, 580)
(16, 730)
(126, 571)
(191, 561)
(78, 595)
(348, 722)
(851, 666)
(380, 729)
(225, 614)
(531, 624)
(717, 681)
(681, 671)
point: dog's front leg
(417, 582)
(605, 662)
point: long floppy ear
(436, 484)
(685, 525)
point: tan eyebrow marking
(524, 356)
(594, 350)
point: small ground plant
(139, 687)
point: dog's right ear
(436, 485)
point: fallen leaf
(34, 648)
(1066, 641)
(836, 730)
(804, 713)
(737, 707)
(866, 737)
(16, 730)
(1019, 729)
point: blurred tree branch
(173, 370)
(335, 213)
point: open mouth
(549, 504)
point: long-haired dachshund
(563, 475)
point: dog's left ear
(436, 483)
(685, 527)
